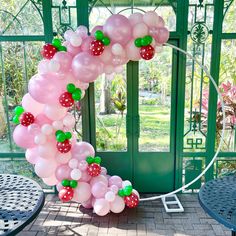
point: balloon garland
(45, 123)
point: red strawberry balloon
(66, 194)
(66, 99)
(48, 51)
(147, 52)
(26, 119)
(64, 147)
(131, 201)
(94, 169)
(96, 47)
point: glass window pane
(229, 18)
(110, 104)
(155, 78)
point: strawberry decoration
(132, 200)
(50, 49)
(66, 194)
(67, 99)
(97, 46)
(94, 168)
(63, 142)
(22, 117)
(147, 51)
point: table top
(21, 200)
(218, 198)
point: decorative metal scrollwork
(199, 33)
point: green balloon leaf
(138, 42)
(121, 193)
(70, 88)
(128, 190)
(73, 183)
(16, 119)
(62, 49)
(61, 137)
(56, 42)
(65, 182)
(97, 160)
(99, 35)
(76, 95)
(58, 132)
(19, 110)
(89, 160)
(68, 135)
(106, 41)
(146, 40)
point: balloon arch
(45, 123)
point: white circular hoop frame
(204, 68)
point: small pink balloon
(82, 31)
(42, 119)
(110, 196)
(106, 55)
(83, 165)
(114, 189)
(103, 170)
(55, 112)
(85, 177)
(153, 31)
(31, 155)
(71, 49)
(63, 158)
(136, 18)
(81, 85)
(45, 168)
(99, 190)
(100, 178)
(101, 207)
(34, 129)
(82, 192)
(63, 172)
(140, 30)
(59, 187)
(115, 180)
(161, 22)
(50, 181)
(68, 34)
(81, 150)
(118, 205)
(85, 46)
(132, 51)
(118, 28)
(163, 35)
(87, 204)
(97, 27)
(86, 67)
(32, 106)
(64, 59)
(22, 137)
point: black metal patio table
(218, 198)
(21, 200)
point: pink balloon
(85, 46)
(114, 189)
(47, 150)
(85, 177)
(42, 88)
(41, 119)
(81, 85)
(63, 158)
(64, 59)
(115, 180)
(132, 51)
(43, 66)
(63, 172)
(118, 28)
(31, 155)
(153, 31)
(45, 168)
(82, 192)
(71, 49)
(34, 129)
(151, 18)
(99, 190)
(118, 205)
(86, 67)
(87, 204)
(97, 27)
(82, 31)
(31, 105)
(81, 150)
(50, 181)
(55, 112)
(101, 207)
(82, 165)
(140, 30)
(22, 137)
(106, 55)
(163, 35)
(59, 187)
(161, 22)
(97, 179)
(136, 18)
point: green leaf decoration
(146, 40)
(121, 193)
(65, 182)
(61, 137)
(62, 49)
(106, 41)
(70, 88)
(68, 135)
(76, 95)
(19, 110)
(73, 183)
(89, 160)
(97, 160)
(128, 190)
(138, 42)
(58, 132)
(16, 119)
(56, 43)
(98, 35)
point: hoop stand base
(172, 204)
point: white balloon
(75, 40)
(40, 139)
(69, 120)
(117, 49)
(118, 205)
(75, 174)
(47, 129)
(73, 163)
(126, 183)
(53, 66)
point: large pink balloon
(100, 178)
(50, 181)
(47, 150)
(151, 18)
(42, 88)
(22, 137)
(45, 168)
(85, 177)
(99, 190)
(64, 59)
(132, 51)
(115, 180)
(42, 119)
(101, 207)
(136, 18)
(31, 155)
(140, 30)
(82, 193)
(87, 204)
(32, 106)
(118, 205)
(118, 28)
(55, 112)
(63, 172)
(86, 67)
(81, 150)
(85, 46)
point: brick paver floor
(149, 218)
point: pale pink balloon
(63, 158)
(82, 165)
(47, 150)
(106, 55)
(69, 121)
(68, 34)
(100, 178)
(58, 124)
(101, 207)
(34, 129)
(31, 155)
(161, 22)
(97, 27)
(81, 150)
(71, 49)
(82, 192)
(110, 196)
(85, 177)
(136, 192)
(45, 168)
(115, 180)
(132, 51)
(140, 30)
(81, 85)
(163, 35)
(114, 189)
(73, 163)
(42, 88)
(108, 69)
(85, 46)
(63, 172)
(55, 112)
(119, 60)
(118, 29)
(32, 106)
(153, 31)
(43, 66)
(82, 31)
(59, 187)
(64, 59)
(87, 204)
(22, 137)
(136, 18)
(118, 205)
(50, 181)
(151, 18)
(41, 119)
(99, 190)
(103, 171)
